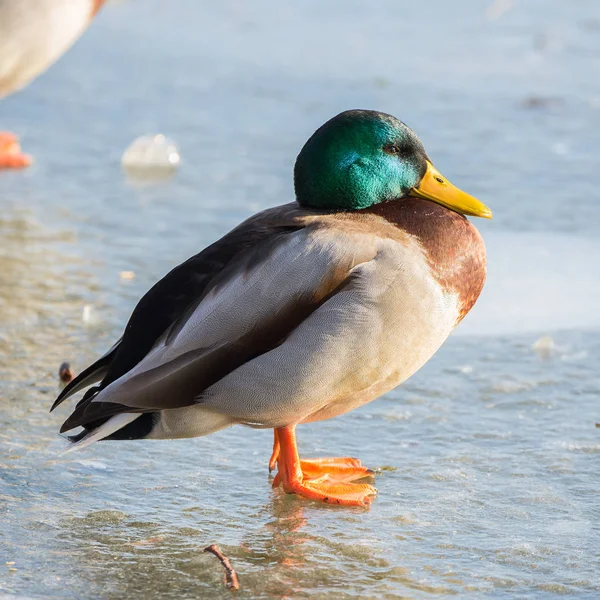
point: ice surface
(538, 282)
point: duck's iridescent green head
(362, 157)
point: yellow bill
(438, 189)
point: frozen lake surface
(489, 455)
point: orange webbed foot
(333, 469)
(343, 469)
(11, 156)
(325, 479)
(342, 494)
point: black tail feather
(135, 430)
(95, 372)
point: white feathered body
(293, 327)
(35, 33)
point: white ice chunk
(151, 156)
(544, 346)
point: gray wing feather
(252, 309)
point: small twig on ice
(231, 580)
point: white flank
(113, 424)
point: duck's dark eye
(395, 149)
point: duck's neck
(454, 248)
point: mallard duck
(303, 312)
(33, 35)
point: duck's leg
(275, 454)
(324, 482)
(11, 156)
(341, 468)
